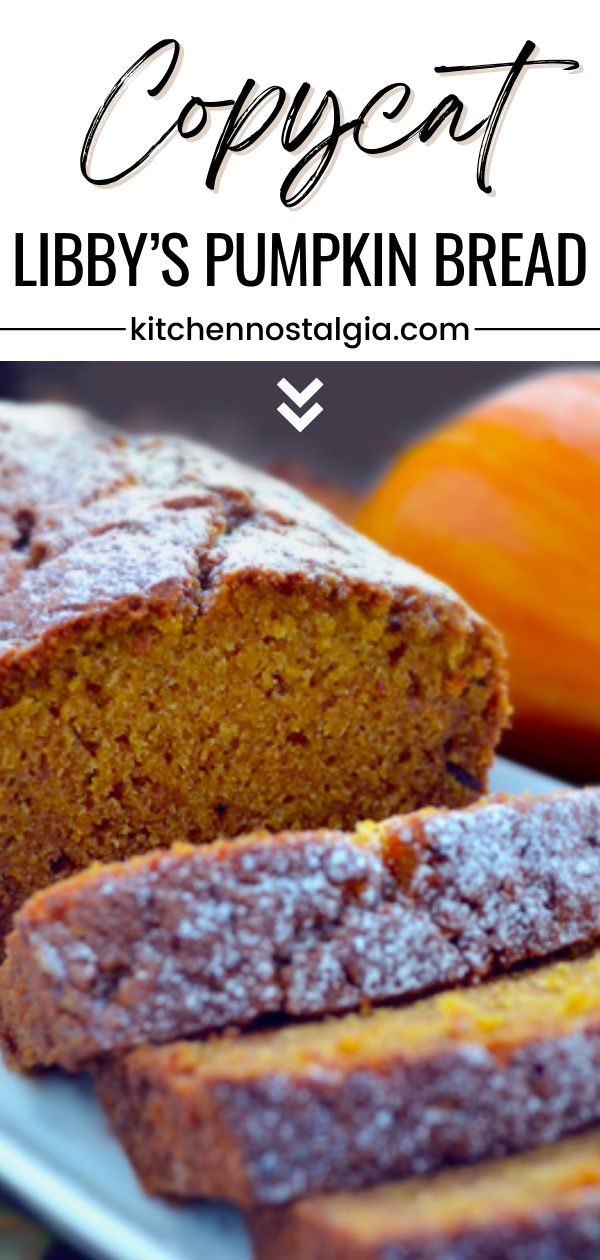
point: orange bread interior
(190, 649)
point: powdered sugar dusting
(297, 1137)
(307, 1129)
(181, 943)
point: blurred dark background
(370, 410)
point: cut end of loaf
(280, 705)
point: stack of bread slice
(352, 1035)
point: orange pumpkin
(504, 504)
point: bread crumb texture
(190, 649)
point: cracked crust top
(93, 523)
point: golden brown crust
(97, 525)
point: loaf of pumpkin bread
(180, 942)
(189, 648)
(544, 1205)
(272, 1116)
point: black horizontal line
(54, 329)
(537, 329)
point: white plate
(58, 1157)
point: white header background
(60, 60)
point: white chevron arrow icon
(300, 397)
